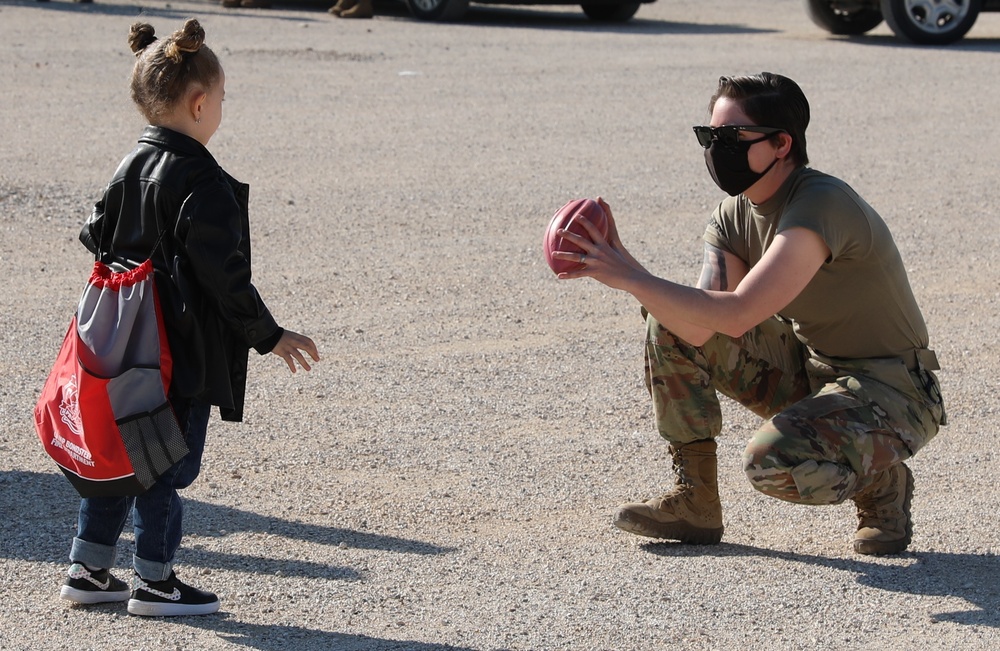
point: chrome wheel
(937, 16)
(932, 22)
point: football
(568, 217)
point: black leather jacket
(213, 314)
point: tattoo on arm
(713, 273)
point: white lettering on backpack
(73, 450)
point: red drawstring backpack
(103, 414)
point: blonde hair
(165, 69)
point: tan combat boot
(884, 525)
(691, 512)
(363, 9)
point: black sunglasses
(729, 135)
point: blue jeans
(156, 514)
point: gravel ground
(444, 479)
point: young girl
(170, 185)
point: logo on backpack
(69, 407)
(69, 413)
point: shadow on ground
(939, 574)
(282, 638)
(479, 15)
(38, 516)
(967, 44)
(277, 637)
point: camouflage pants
(830, 425)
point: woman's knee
(767, 470)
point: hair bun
(187, 39)
(140, 36)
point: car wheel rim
(936, 16)
(426, 5)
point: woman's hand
(290, 348)
(613, 238)
(604, 259)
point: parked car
(607, 11)
(927, 22)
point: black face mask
(730, 168)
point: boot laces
(682, 487)
(877, 506)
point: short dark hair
(770, 100)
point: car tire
(827, 15)
(931, 22)
(610, 13)
(438, 10)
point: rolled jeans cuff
(152, 570)
(95, 555)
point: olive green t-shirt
(859, 304)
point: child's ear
(196, 104)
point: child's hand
(290, 348)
